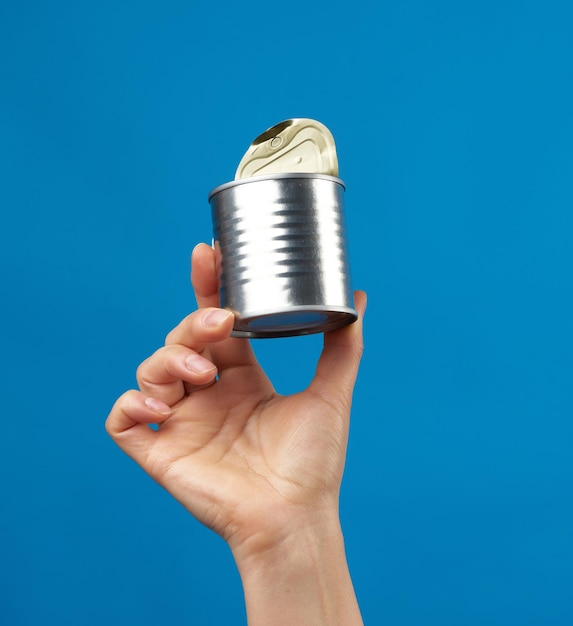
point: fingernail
(198, 364)
(158, 406)
(216, 317)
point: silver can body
(281, 252)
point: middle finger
(164, 374)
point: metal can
(282, 258)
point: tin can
(281, 253)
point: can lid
(295, 145)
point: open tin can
(281, 253)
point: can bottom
(292, 322)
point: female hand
(256, 467)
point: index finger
(204, 276)
(232, 352)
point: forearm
(302, 580)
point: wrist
(301, 577)
(281, 532)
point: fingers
(212, 327)
(235, 352)
(128, 421)
(338, 364)
(201, 328)
(204, 276)
(164, 373)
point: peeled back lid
(297, 145)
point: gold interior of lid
(297, 145)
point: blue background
(454, 128)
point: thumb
(337, 367)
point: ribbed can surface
(281, 254)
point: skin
(260, 469)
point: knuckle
(141, 371)
(121, 406)
(161, 364)
(183, 329)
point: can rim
(336, 317)
(256, 179)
